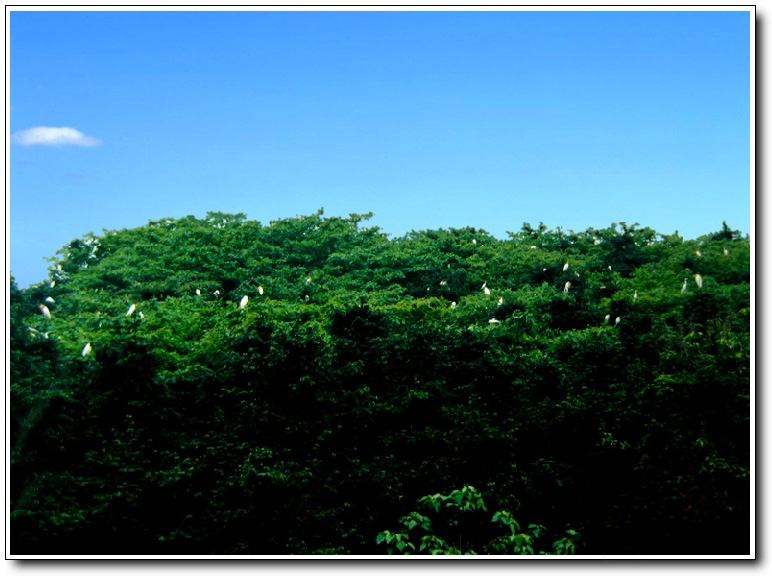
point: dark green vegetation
(349, 386)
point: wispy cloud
(53, 136)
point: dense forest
(312, 386)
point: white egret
(698, 280)
(686, 283)
(617, 321)
(487, 290)
(533, 247)
(474, 241)
(45, 311)
(49, 300)
(131, 310)
(216, 292)
(260, 290)
(308, 280)
(493, 321)
(698, 253)
(443, 282)
(566, 287)
(726, 252)
(635, 295)
(452, 305)
(198, 292)
(243, 303)
(607, 318)
(141, 315)
(86, 349)
(500, 302)
(565, 266)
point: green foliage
(155, 410)
(455, 507)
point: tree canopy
(219, 386)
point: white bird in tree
(216, 292)
(686, 283)
(452, 305)
(698, 253)
(198, 292)
(698, 280)
(308, 280)
(49, 300)
(260, 290)
(86, 349)
(566, 287)
(565, 266)
(635, 295)
(487, 291)
(243, 303)
(500, 302)
(141, 315)
(131, 310)
(617, 321)
(726, 252)
(474, 241)
(45, 311)
(53, 283)
(607, 318)
(493, 321)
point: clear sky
(427, 119)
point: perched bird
(726, 252)
(493, 321)
(617, 321)
(260, 290)
(243, 302)
(452, 305)
(565, 266)
(487, 290)
(49, 300)
(566, 287)
(606, 319)
(53, 283)
(443, 282)
(86, 349)
(500, 302)
(698, 253)
(698, 280)
(308, 280)
(131, 310)
(198, 292)
(686, 283)
(141, 315)
(635, 295)
(45, 311)
(474, 241)
(216, 292)
(533, 247)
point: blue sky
(427, 119)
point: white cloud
(53, 136)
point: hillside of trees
(313, 386)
